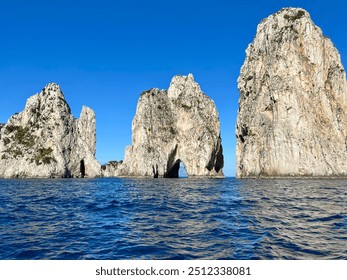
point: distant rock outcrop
(180, 125)
(45, 140)
(292, 118)
(111, 169)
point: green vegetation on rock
(44, 156)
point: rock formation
(292, 118)
(46, 141)
(180, 125)
(111, 169)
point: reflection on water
(173, 219)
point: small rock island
(46, 141)
(292, 118)
(178, 125)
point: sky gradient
(103, 54)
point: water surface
(173, 219)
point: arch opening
(182, 172)
(177, 170)
(82, 168)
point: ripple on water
(173, 219)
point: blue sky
(105, 53)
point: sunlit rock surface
(111, 169)
(46, 141)
(292, 108)
(180, 125)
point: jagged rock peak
(183, 84)
(292, 118)
(52, 87)
(45, 140)
(289, 14)
(52, 90)
(180, 125)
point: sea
(173, 219)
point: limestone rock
(180, 125)
(111, 169)
(292, 118)
(46, 141)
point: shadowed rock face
(180, 125)
(292, 118)
(46, 141)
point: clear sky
(105, 53)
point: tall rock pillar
(292, 118)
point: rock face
(292, 118)
(111, 169)
(46, 141)
(180, 125)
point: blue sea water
(173, 219)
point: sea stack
(46, 141)
(292, 118)
(180, 125)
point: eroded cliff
(46, 141)
(292, 118)
(180, 125)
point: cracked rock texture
(45, 140)
(292, 118)
(180, 125)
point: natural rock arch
(173, 126)
(173, 170)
